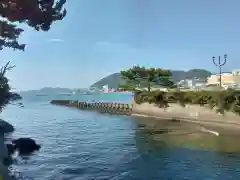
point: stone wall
(190, 113)
(112, 108)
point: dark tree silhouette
(38, 14)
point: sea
(83, 145)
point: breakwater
(103, 107)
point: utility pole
(219, 64)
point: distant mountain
(47, 90)
(114, 80)
(80, 90)
(192, 73)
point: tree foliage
(221, 100)
(38, 14)
(6, 96)
(147, 77)
(126, 87)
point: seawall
(190, 113)
(103, 107)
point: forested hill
(114, 80)
(192, 73)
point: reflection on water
(159, 151)
(188, 135)
(82, 145)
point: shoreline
(209, 124)
(4, 153)
(23, 146)
(189, 114)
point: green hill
(47, 90)
(192, 73)
(114, 80)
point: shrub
(227, 100)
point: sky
(100, 37)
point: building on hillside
(192, 83)
(93, 89)
(185, 83)
(228, 79)
(105, 88)
(236, 76)
(200, 83)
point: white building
(192, 83)
(231, 79)
(105, 88)
(236, 76)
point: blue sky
(100, 37)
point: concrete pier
(103, 107)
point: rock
(5, 127)
(5, 160)
(11, 148)
(25, 145)
(8, 161)
(3, 148)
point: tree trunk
(149, 87)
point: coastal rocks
(10, 148)
(4, 159)
(25, 145)
(5, 127)
(3, 148)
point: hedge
(227, 100)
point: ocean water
(81, 145)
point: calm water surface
(84, 145)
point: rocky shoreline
(22, 145)
(5, 128)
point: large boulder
(5, 127)
(25, 145)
